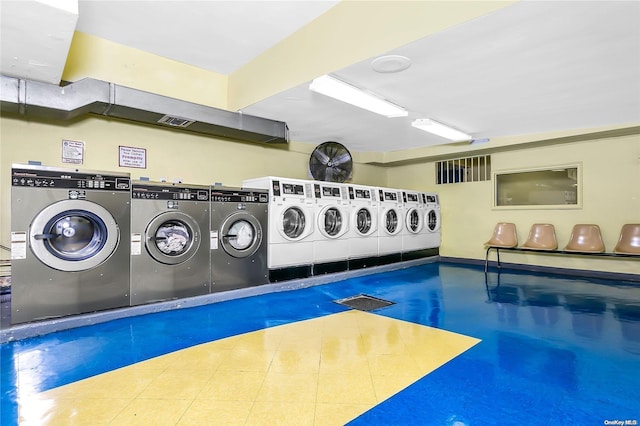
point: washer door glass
(172, 237)
(293, 222)
(363, 221)
(391, 221)
(241, 234)
(332, 222)
(73, 235)
(432, 220)
(413, 221)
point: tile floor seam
(255, 398)
(113, 419)
(375, 391)
(315, 409)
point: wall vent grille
(467, 169)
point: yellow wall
(171, 154)
(611, 177)
(611, 198)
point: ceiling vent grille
(170, 120)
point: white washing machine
(363, 229)
(69, 241)
(330, 240)
(391, 214)
(169, 244)
(413, 237)
(432, 222)
(291, 224)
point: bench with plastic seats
(585, 239)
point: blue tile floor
(553, 350)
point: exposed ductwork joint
(99, 97)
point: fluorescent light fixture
(440, 129)
(345, 92)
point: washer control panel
(246, 196)
(68, 180)
(141, 191)
(359, 194)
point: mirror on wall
(552, 187)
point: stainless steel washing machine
(69, 241)
(169, 245)
(239, 223)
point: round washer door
(241, 234)
(432, 218)
(332, 222)
(293, 224)
(172, 237)
(414, 221)
(73, 235)
(364, 222)
(391, 222)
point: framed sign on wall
(132, 157)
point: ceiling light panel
(440, 129)
(337, 89)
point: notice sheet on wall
(133, 157)
(72, 151)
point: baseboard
(493, 266)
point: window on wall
(467, 169)
(552, 187)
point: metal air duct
(33, 98)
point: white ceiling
(220, 36)
(532, 67)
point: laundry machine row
(318, 227)
(190, 240)
(85, 241)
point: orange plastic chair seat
(585, 238)
(542, 236)
(629, 242)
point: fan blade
(328, 176)
(321, 156)
(341, 159)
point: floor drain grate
(363, 302)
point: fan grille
(331, 162)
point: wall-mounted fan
(331, 162)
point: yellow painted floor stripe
(323, 371)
